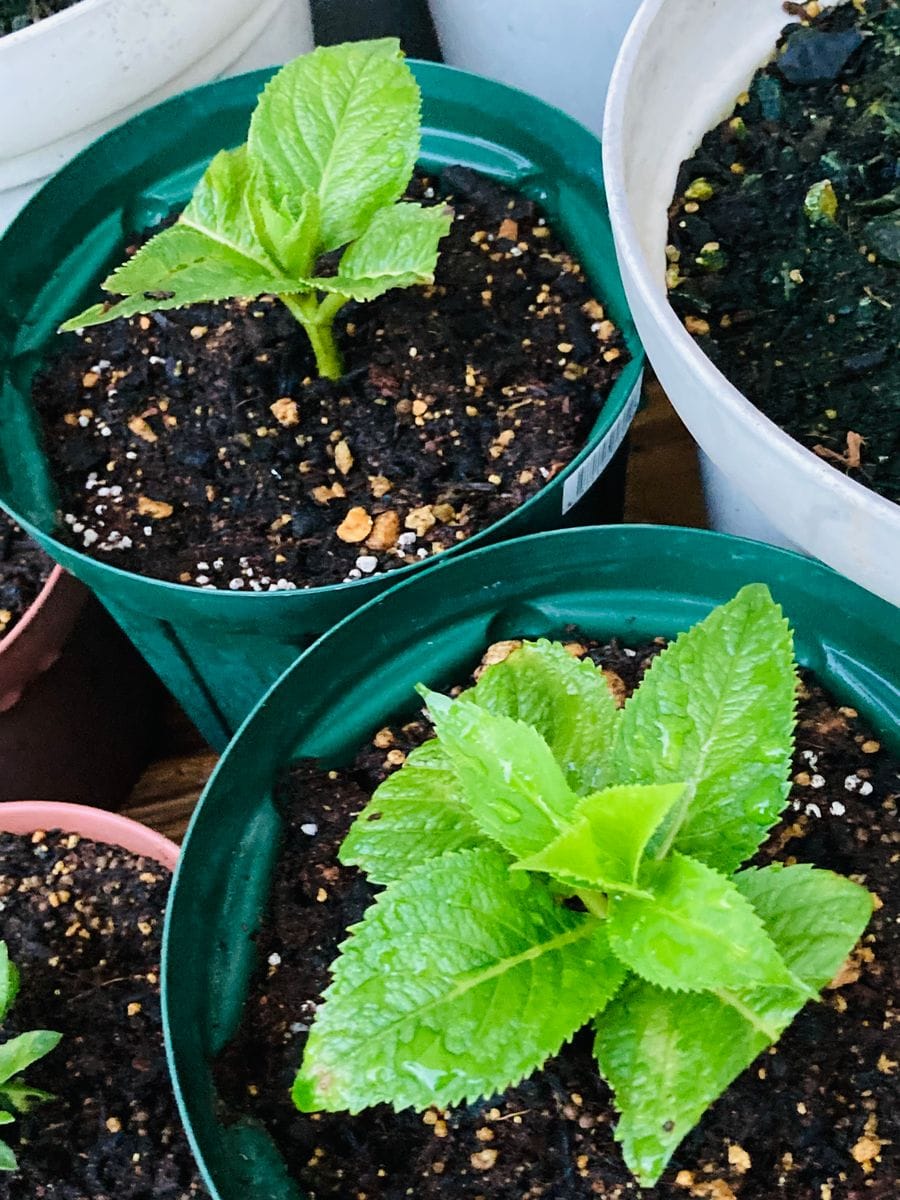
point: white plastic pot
(682, 65)
(560, 50)
(72, 76)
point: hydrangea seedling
(470, 970)
(331, 149)
(16, 1055)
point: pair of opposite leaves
(467, 972)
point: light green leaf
(21, 1098)
(287, 228)
(696, 933)
(342, 122)
(512, 784)
(9, 981)
(566, 699)
(668, 1056)
(418, 813)
(716, 711)
(7, 1158)
(399, 248)
(603, 848)
(20, 1052)
(220, 210)
(179, 266)
(815, 917)
(411, 1016)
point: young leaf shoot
(331, 149)
(16, 1055)
(538, 790)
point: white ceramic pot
(682, 65)
(72, 76)
(560, 50)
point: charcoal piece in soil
(198, 445)
(24, 569)
(801, 311)
(817, 1116)
(83, 921)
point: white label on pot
(598, 459)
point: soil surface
(799, 309)
(83, 922)
(17, 14)
(24, 569)
(195, 446)
(817, 1118)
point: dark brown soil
(818, 1118)
(24, 569)
(18, 14)
(802, 315)
(195, 446)
(83, 922)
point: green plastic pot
(633, 581)
(219, 651)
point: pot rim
(28, 816)
(34, 608)
(738, 406)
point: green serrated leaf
(342, 122)
(8, 1160)
(177, 267)
(716, 711)
(566, 699)
(697, 932)
(399, 248)
(512, 784)
(418, 813)
(604, 847)
(815, 917)
(20, 1052)
(668, 1056)
(410, 1018)
(9, 981)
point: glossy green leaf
(9, 981)
(513, 786)
(399, 248)
(603, 848)
(696, 933)
(459, 981)
(668, 1056)
(418, 813)
(7, 1158)
(716, 711)
(566, 699)
(20, 1052)
(342, 122)
(815, 917)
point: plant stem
(318, 321)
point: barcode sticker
(599, 458)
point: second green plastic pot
(219, 651)
(633, 581)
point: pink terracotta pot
(29, 816)
(35, 644)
